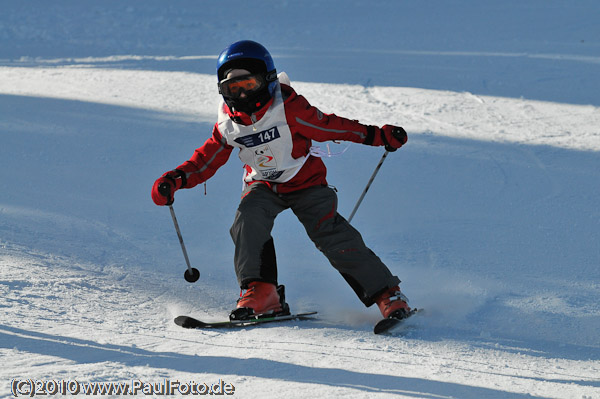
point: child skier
(273, 128)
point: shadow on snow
(84, 351)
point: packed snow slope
(489, 214)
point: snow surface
(489, 215)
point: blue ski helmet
(253, 57)
(248, 55)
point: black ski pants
(316, 208)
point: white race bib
(265, 146)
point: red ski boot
(393, 303)
(260, 299)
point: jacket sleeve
(213, 154)
(313, 124)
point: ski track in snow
(489, 215)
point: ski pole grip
(400, 135)
(164, 189)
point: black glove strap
(181, 174)
(370, 135)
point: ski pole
(368, 185)
(191, 275)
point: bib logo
(264, 158)
(266, 163)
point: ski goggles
(234, 87)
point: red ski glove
(392, 137)
(163, 191)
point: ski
(190, 322)
(385, 325)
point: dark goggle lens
(234, 87)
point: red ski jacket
(306, 123)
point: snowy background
(490, 215)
